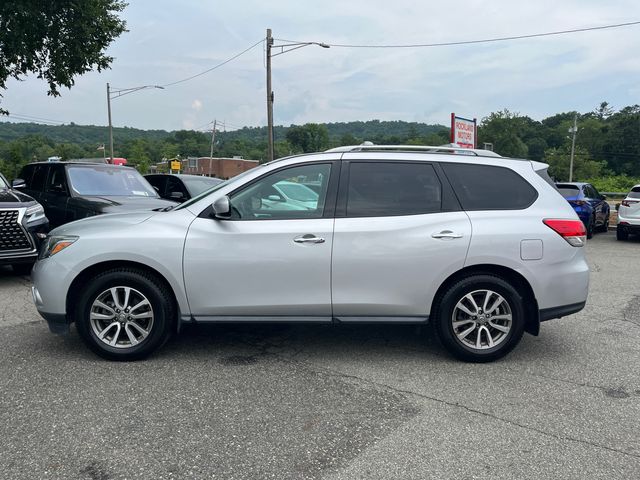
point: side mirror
(275, 198)
(18, 183)
(176, 196)
(222, 208)
(604, 197)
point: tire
(124, 338)
(605, 226)
(591, 227)
(450, 309)
(22, 268)
(621, 234)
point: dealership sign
(463, 131)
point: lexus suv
(484, 248)
(22, 225)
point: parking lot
(239, 402)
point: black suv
(22, 226)
(70, 191)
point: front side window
(283, 195)
(57, 183)
(109, 181)
(37, 181)
(394, 188)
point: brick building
(217, 167)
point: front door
(271, 259)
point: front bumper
(36, 234)
(58, 322)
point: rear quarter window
(487, 187)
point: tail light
(572, 231)
(579, 203)
(627, 203)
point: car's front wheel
(124, 314)
(480, 318)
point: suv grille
(12, 236)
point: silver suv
(482, 247)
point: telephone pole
(213, 137)
(269, 97)
(573, 130)
(110, 124)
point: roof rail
(478, 152)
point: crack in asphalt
(265, 346)
(476, 411)
(606, 390)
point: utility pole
(269, 97)
(213, 139)
(573, 130)
(110, 124)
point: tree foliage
(57, 40)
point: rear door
(399, 232)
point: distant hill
(92, 134)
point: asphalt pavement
(333, 402)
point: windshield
(297, 191)
(109, 181)
(568, 190)
(196, 185)
(216, 187)
(3, 183)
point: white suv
(629, 215)
(482, 247)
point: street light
(284, 48)
(119, 93)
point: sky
(169, 40)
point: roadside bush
(614, 183)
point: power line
(471, 42)
(215, 67)
(29, 119)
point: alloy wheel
(482, 319)
(121, 317)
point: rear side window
(486, 187)
(379, 189)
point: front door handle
(447, 234)
(308, 238)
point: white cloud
(196, 105)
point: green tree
(138, 156)
(57, 40)
(310, 137)
(505, 131)
(559, 160)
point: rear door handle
(447, 234)
(308, 238)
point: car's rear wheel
(591, 227)
(124, 314)
(621, 233)
(605, 226)
(480, 318)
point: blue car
(591, 207)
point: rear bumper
(561, 311)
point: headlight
(34, 213)
(54, 244)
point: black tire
(161, 304)
(591, 227)
(22, 268)
(621, 234)
(444, 311)
(605, 226)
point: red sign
(463, 131)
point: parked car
(23, 225)
(482, 247)
(73, 190)
(180, 187)
(629, 215)
(591, 207)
